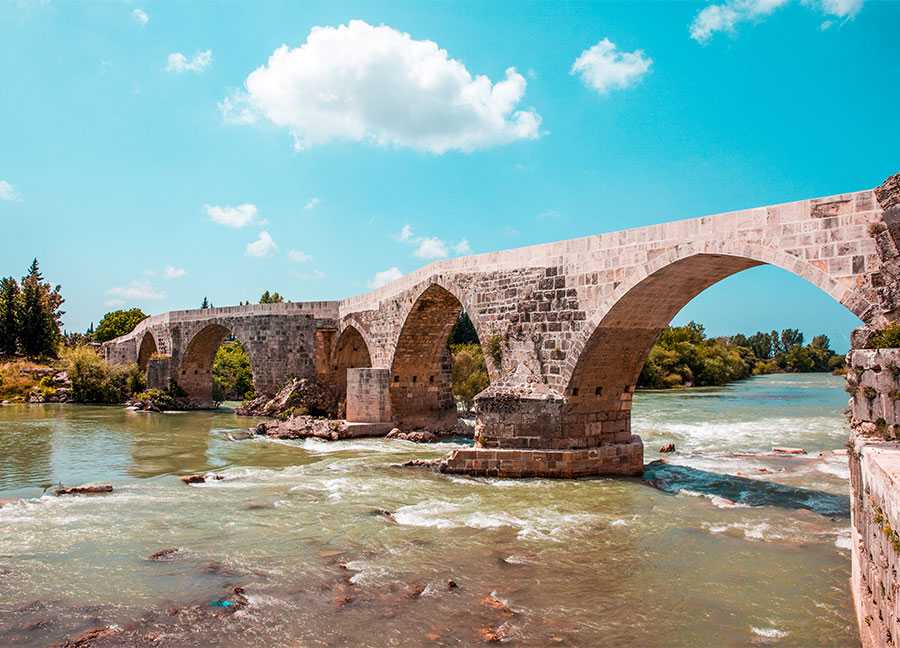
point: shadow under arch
(146, 350)
(195, 369)
(421, 386)
(350, 351)
(616, 345)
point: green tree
(791, 338)
(463, 331)
(776, 343)
(205, 304)
(761, 345)
(469, 372)
(118, 322)
(9, 316)
(271, 298)
(39, 314)
(232, 373)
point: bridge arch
(146, 350)
(195, 369)
(350, 351)
(421, 387)
(613, 347)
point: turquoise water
(729, 546)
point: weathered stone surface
(302, 427)
(416, 436)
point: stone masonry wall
(873, 380)
(368, 396)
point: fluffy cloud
(603, 67)
(171, 272)
(431, 248)
(312, 203)
(363, 83)
(838, 8)
(299, 256)
(138, 290)
(385, 277)
(726, 16)
(263, 246)
(140, 17)
(406, 233)
(239, 216)
(8, 192)
(463, 247)
(178, 62)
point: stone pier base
(621, 459)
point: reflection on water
(335, 545)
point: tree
(791, 338)
(463, 331)
(205, 304)
(232, 374)
(118, 322)
(9, 325)
(39, 315)
(761, 345)
(271, 298)
(776, 343)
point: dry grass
(17, 377)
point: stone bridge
(565, 326)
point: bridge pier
(520, 432)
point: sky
(156, 153)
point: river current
(335, 545)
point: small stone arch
(195, 369)
(146, 350)
(420, 381)
(608, 357)
(350, 351)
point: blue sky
(143, 163)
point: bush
(232, 374)
(17, 379)
(469, 372)
(495, 348)
(95, 381)
(886, 338)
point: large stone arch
(146, 349)
(608, 357)
(420, 380)
(350, 351)
(195, 369)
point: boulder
(790, 451)
(85, 489)
(668, 447)
(299, 396)
(200, 478)
(302, 427)
(417, 436)
(164, 554)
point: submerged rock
(433, 464)
(200, 478)
(790, 451)
(299, 397)
(495, 635)
(302, 427)
(417, 436)
(668, 447)
(164, 554)
(84, 489)
(87, 638)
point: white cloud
(114, 303)
(263, 246)
(406, 233)
(178, 62)
(726, 16)
(431, 248)
(312, 203)
(723, 17)
(137, 290)
(463, 247)
(238, 216)
(299, 256)
(8, 192)
(603, 67)
(385, 277)
(140, 17)
(358, 82)
(171, 272)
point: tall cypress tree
(9, 324)
(39, 316)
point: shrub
(232, 374)
(886, 338)
(495, 348)
(469, 372)
(95, 381)
(16, 379)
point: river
(729, 548)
